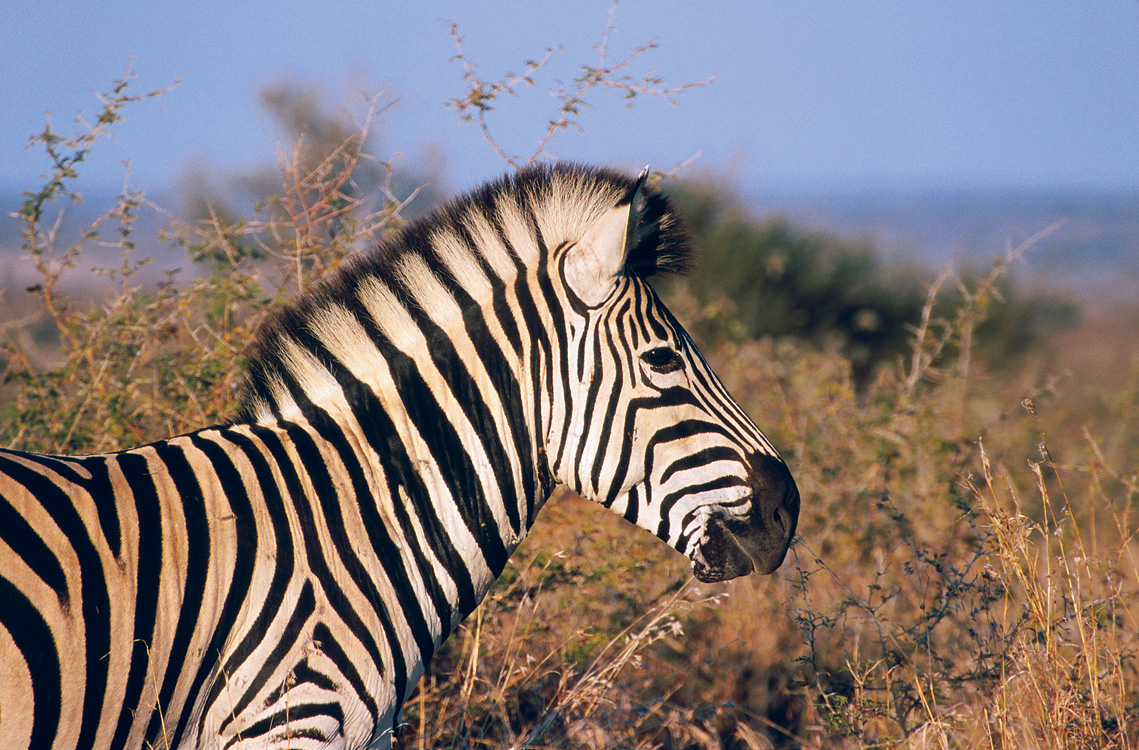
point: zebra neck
(433, 421)
(427, 394)
(433, 467)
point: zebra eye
(662, 359)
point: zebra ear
(592, 265)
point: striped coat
(282, 581)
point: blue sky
(814, 93)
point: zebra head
(640, 423)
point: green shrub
(768, 277)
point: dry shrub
(159, 359)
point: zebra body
(282, 581)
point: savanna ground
(966, 569)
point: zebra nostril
(774, 489)
(784, 521)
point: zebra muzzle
(733, 546)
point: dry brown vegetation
(966, 573)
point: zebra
(282, 580)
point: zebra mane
(566, 198)
(553, 204)
(661, 245)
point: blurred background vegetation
(967, 448)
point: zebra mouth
(733, 546)
(720, 557)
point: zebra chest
(315, 692)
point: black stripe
(715, 398)
(552, 300)
(328, 494)
(519, 440)
(704, 457)
(387, 551)
(34, 640)
(62, 465)
(661, 323)
(18, 534)
(290, 715)
(196, 532)
(436, 430)
(302, 673)
(439, 433)
(541, 350)
(331, 648)
(289, 637)
(245, 532)
(280, 549)
(96, 605)
(498, 287)
(470, 398)
(462, 384)
(622, 382)
(387, 442)
(624, 459)
(716, 484)
(632, 504)
(148, 582)
(400, 471)
(671, 499)
(385, 548)
(105, 502)
(560, 331)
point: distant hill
(1095, 250)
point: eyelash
(662, 359)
